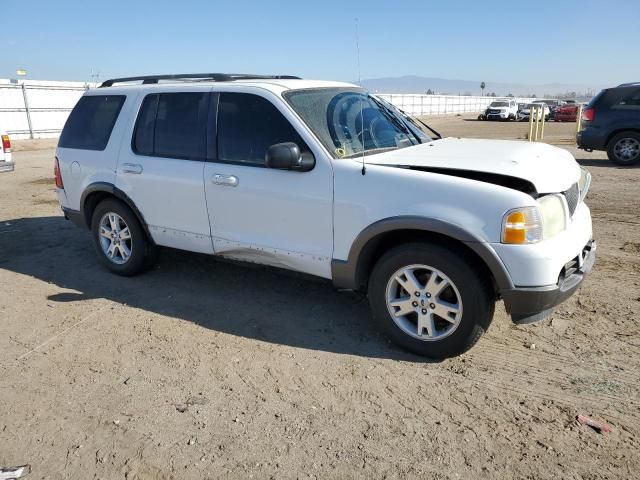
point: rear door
(161, 167)
(274, 217)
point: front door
(274, 217)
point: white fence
(431, 105)
(39, 109)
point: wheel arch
(618, 131)
(99, 191)
(379, 237)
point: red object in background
(566, 113)
(6, 144)
(599, 427)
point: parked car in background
(523, 115)
(566, 113)
(502, 110)
(288, 173)
(611, 122)
(6, 162)
(553, 106)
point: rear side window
(633, 99)
(91, 121)
(248, 125)
(173, 125)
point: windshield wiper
(371, 151)
(390, 114)
(418, 120)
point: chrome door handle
(226, 180)
(132, 168)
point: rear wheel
(121, 243)
(624, 149)
(430, 300)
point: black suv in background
(611, 122)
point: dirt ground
(205, 369)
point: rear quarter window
(91, 121)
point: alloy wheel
(627, 149)
(423, 302)
(115, 238)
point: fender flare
(345, 272)
(111, 189)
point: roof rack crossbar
(216, 77)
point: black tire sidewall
(611, 149)
(477, 301)
(140, 245)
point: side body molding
(345, 273)
(116, 192)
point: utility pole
(23, 73)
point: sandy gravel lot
(204, 369)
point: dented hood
(548, 168)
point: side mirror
(287, 156)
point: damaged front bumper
(532, 304)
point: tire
(624, 149)
(110, 215)
(468, 291)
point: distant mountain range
(417, 84)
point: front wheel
(430, 300)
(624, 149)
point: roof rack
(631, 84)
(216, 77)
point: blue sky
(590, 42)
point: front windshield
(350, 122)
(499, 104)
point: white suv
(6, 162)
(323, 178)
(502, 110)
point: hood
(549, 169)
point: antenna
(364, 169)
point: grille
(570, 268)
(573, 197)
(573, 265)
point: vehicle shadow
(265, 304)
(603, 163)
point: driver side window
(247, 126)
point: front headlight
(554, 215)
(584, 183)
(533, 224)
(522, 226)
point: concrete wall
(50, 103)
(49, 106)
(431, 105)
